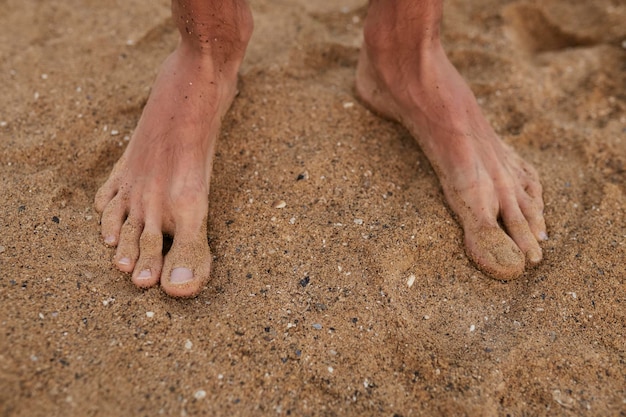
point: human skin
(160, 185)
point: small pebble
(358, 221)
(200, 394)
(2, 249)
(317, 326)
(279, 204)
(348, 105)
(472, 328)
(188, 345)
(149, 314)
(411, 280)
(115, 132)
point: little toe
(533, 212)
(150, 263)
(187, 267)
(493, 251)
(112, 220)
(105, 194)
(128, 246)
(520, 231)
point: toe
(128, 246)
(150, 263)
(493, 251)
(532, 209)
(105, 194)
(519, 229)
(187, 266)
(111, 221)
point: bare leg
(404, 74)
(161, 182)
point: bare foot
(484, 181)
(161, 182)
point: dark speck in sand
(55, 219)
(305, 281)
(21, 208)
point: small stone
(279, 204)
(348, 105)
(317, 326)
(303, 176)
(149, 314)
(55, 219)
(200, 394)
(472, 328)
(115, 132)
(2, 249)
(358, 221)
(305, 281)
(188, 345)
(410, 280)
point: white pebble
(411, 280)
(44, 76)
(472, 328)
(348, 104)
(115, 132)
(330, 369)
(149, 314)
(3, 124)
(280, 204)
(188, 345)
(358, 221)
(200, 394)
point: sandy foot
(495, 194)
(160, 184)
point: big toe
(187, 267)
(495, 253)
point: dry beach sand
(309, 311)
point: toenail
(181, 275)
(543, 236)
(534, 256)
(109, 240)
(124, 261)
(145, 274)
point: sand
(356, 297)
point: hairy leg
(404, 74)
(160, 184)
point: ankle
(409, 25)
(221, 35)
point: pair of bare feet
(160, 184)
